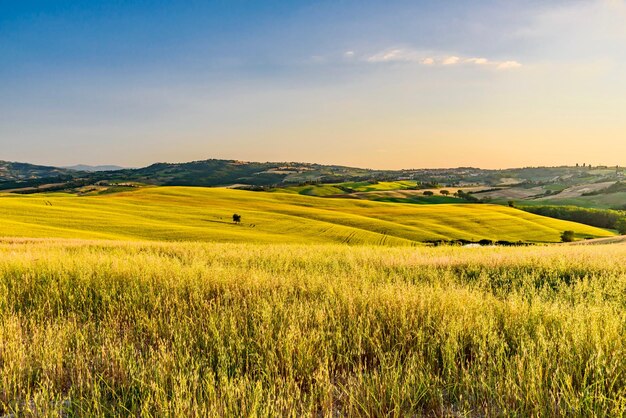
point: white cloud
(477, 61)
(408, 55)
(349, 54)
(453, 60)
(506, 65)
(395, 55)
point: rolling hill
(13, 171)
(93, 168)
(204, 214)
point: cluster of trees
(466, 196)
(601, 218)
(441, 192)
(460, 194)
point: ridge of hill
(15, 171)
(93, 168)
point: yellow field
(103, 329)
(201, 214)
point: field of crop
(192, 329)
(202, 214)
(415, 196)
(342, 188)
(320, 190)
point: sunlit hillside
(201, 214)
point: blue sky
(380, 84)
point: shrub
(567, 236)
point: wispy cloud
(508, 65)
(451, 60)
(395, 55)
(412, 56)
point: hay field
(93, 328)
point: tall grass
(150, 329)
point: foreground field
(202, 214)
(139, 329)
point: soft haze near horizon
(393, 84)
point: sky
(379, 84)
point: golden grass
(187, 329)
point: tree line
(601, 218)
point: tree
(620, 225)
(567, 236)
(236, 218)
(428, 193)
(511, 203)
(444, 192)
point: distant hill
(93, 168)
(11, 171)
(229, 172)
(15, 175)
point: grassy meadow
(152, 303)
(204, 214)
(330, 189)
(101, 328)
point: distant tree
(467, 196)
(620, 225)
(236, 218)
(511, 203)
(444, 192)
(567, 236)
(428, 193)
(601, 218)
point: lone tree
(236, 218)
(444, 192)
(567, 236)
(428, 193)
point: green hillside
(202, 214)
(330, 189)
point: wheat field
(204, 214)
(97, 328)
